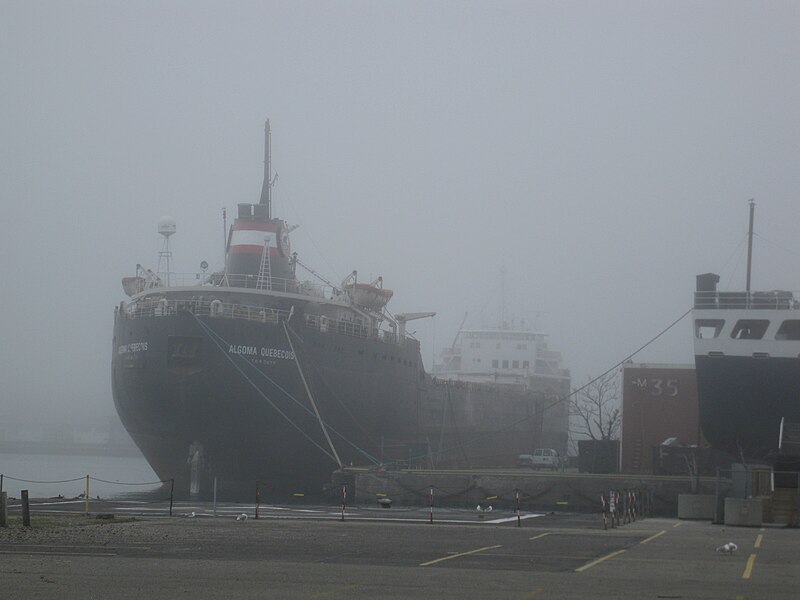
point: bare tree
(595, 409)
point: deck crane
(404, 318)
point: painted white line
(57, 553)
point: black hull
(742, 401)
(224, 398)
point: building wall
(658, 402)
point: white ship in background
(514, 358)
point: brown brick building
(659, 402)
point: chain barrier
(620, 507)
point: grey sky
(603, 152)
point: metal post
(258, 499)
(1, 482)
(26, 509)
(344, 499)
(3, 510)
(431, 506)
(87, 495)
(750, 248)
(215, 495)
(171, 494)
(519, 519)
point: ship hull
(207, 398)
(743, 399)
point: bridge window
(706, 329)
(750, 329)
(789, 330)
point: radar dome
(166, 226)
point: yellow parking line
(541, 535)
(652, 537)
(598, 561)
(758, 540)
(336, 591)
(531, 595)
(678, 524)
(749, 568)
(438, 560)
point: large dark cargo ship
(747, 357)
(250, 374)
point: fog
(603, 153)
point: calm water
(57, 468)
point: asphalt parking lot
(308, 552)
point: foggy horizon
(603, 153)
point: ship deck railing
(243, 281)
(774, 300)
(163, 307)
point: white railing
(203, 308)
(235, 280)
(775, 300)
(226, 310)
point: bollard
(26, 509)
(604, 510)
(171, 494)
(344, 499)
(87, 495)
(519, 519)
(431, 506)
(3, 510)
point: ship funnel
(266, 187)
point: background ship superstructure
(253, 375)
(515, 360)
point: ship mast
(750, 245)
(266, 187)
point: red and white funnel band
(249, 238)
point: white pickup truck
(542, 458)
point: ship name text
(132, 347)
(263, 352)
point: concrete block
(744, 512)
(696, 506)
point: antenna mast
(750, 245)
(266, 188)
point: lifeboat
(368, 295)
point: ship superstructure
(747, 357)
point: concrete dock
(308, 552)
